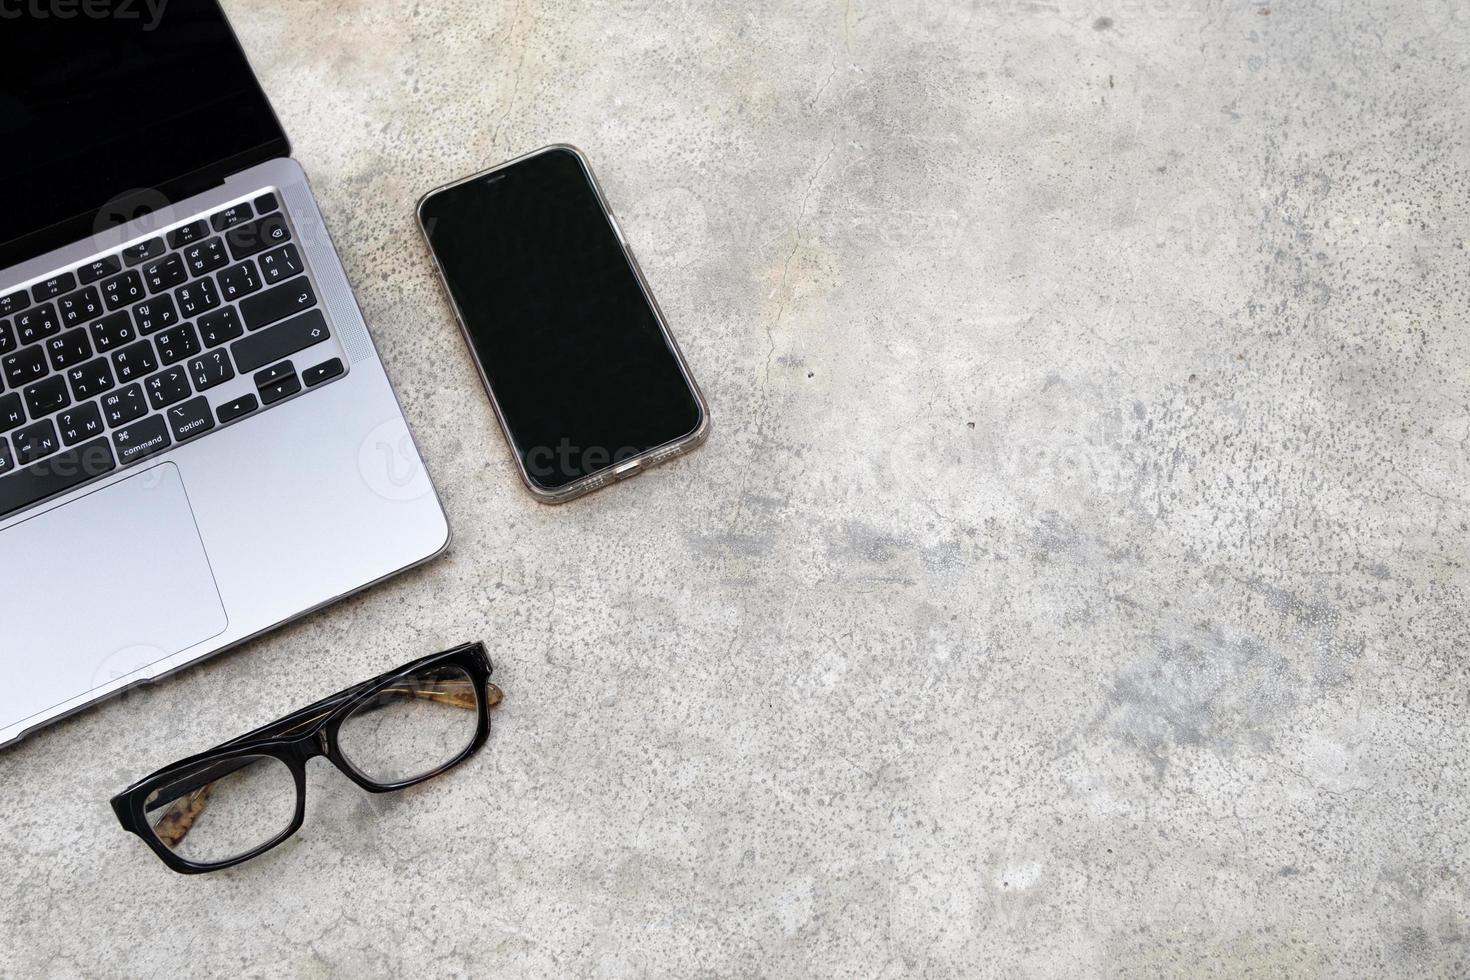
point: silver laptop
(198, 441)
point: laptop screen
(108, 107)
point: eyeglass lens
(223, 809)
(412, 727)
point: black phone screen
(574, 354)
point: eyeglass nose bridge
(310, 745)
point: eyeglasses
(242, 798)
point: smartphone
(583, 372)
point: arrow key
(240, 407)
(284, 388)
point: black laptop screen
(108, 106)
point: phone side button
(627, 469)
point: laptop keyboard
(128, 355)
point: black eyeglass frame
(303, 735)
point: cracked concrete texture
(1074, 584)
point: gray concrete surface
(1074, 584)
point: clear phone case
(613, 472)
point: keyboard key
(134, 362)
(14, 302)
(79, 307)
(230, 411)
(35, 441)
(99, 269)
(211, 369)
(167, 387)
(156, 314)
(205, 257)
(112, 331)
(122, 290)
(8, 343)
(46, 396)
(53, 287)
(151, 249)
(177, 343)
(193, 418)
(72, 468)
(258, 235)
(7, 458)
(266, 203)
(90, 380)
(277, 303)
(10, 411)
(197, 297)
(280, 263)
(166, 273)
(282, 340)
(69, 348)
(325, 371)
(32, 325)
(141, 440)
(81, 422)
(192, 232)
(238, 280)
(122, 406)
(274, 373)
(221, 326)
(230, 217)
(24, 366)
(284, 388)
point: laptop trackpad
(99, 588)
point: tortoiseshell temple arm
(458, 692)
(179, 814)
